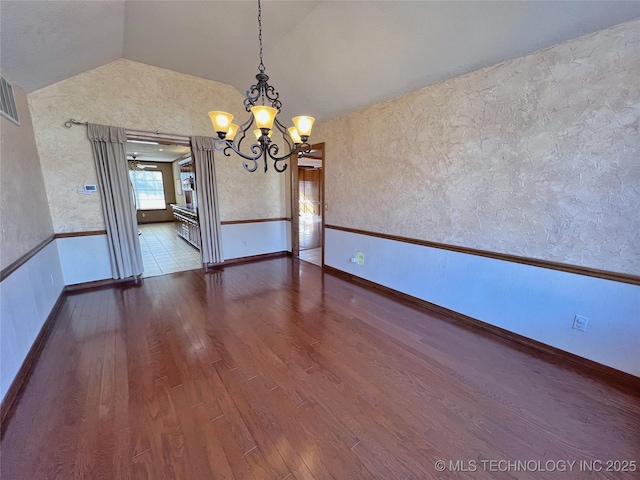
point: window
(148, 189)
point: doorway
(163, 184)
(310, 201)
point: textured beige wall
(25, 220)
(133, 95)
(538, 157)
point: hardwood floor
(238, 374)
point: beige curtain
(118, 205)
(208, 212)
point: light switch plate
(580, 322)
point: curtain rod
(72, 121)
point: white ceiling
(326, 58)
(148, 151)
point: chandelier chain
(261, 66)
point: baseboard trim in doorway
(252, 258)
(604, 373)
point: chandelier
(262, 103)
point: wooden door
(310, 207)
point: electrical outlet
(580, 322)
(360, 258)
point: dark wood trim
(294, 195)
(561, 356)
(15, 389)
(87, 233)
(295, 205)
(161, 138)
(534, 262)
(320, 146)
(255, 220)
(97, 284)
(252, 258)
(157, 221)
(9, 269)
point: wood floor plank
(195, 452)
(107, 434)
(273, 370)
(168, 441)
(283, 422)
(270, 435)
(219, 465)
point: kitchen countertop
(191, 210)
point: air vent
(7, 102)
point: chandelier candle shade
(262, 103)
(221, 122)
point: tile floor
(310, 228)
(164, 252)
(313, 255)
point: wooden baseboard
(253, 258)
(156, 221)
(97, 284)
(15, 389)
(584, 365)
(255, 220)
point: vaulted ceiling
(326, 58)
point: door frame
(164, 139)
(295, 205)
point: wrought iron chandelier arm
(252, 96)
(278, 169)
(250, 169)
(224, 146)
(285, 133)
(273, 151)
(244, 128)
(271, 95)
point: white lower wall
(248, 239)
(534, 302)
(26, 299)
(84, 259)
